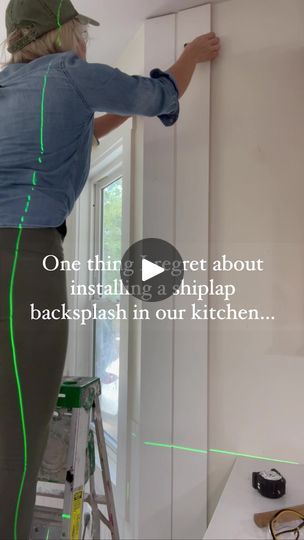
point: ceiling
(120, 19)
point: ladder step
(59, 494)
(48, 523)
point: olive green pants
(32, 357)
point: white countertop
(233, 517)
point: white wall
(256, 194)
(153, 404)
(256, 369)
(175, 355)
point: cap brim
(87, 20)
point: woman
(48, 97)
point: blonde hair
(68, 37)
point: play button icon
(149, 270)
(152, 270)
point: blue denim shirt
(47, 111)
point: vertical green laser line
(58, 14)
(42, 114)
(11, 315)
(59, 23)
(17, 381)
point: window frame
(99, 187)
(114, 153)
(101, 303)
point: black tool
(270, 484)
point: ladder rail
(105, 470)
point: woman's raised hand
(204, 48)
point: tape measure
(270, 484)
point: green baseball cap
(39, 16)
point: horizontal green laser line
(215, 451)
(249, 456)
(176, 447)
(65, 516)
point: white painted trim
(172, 484)
(156, 367)
(190, 390)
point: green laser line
(11, 318)
(20, 398)
(215, 451)
(47, 534)
(177, 447)
(42, 115)
(58, 22)
(249, 456)
(65, 516)
(58, 13)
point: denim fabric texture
(47, 111)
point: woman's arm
(106, 123)
(202, 49)
(106, 89)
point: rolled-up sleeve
(106, 89)
(168, 119)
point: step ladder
(69, 461)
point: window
(107, 332)
(110, 222)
